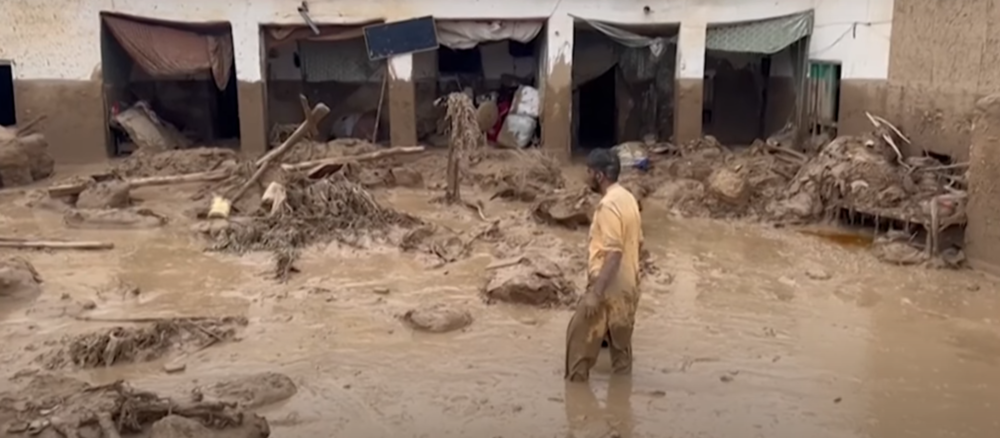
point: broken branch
(8, 242)
(317, 114)
(319, 166)
(78, 187)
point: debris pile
(516, 174)
(571, 210)
(147, 341)
(534, 280)
(341, 147)
(101, 202)
(710, 180)
(445, 245)
(24, 155)
(174, 162)
(72, 408)
(149, 132)
(865, 175)
(312, 211)
(252, 391)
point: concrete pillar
(690, 84)
(556, 86)
(251, 89)
(982, 234)
(402, 98)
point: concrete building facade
(55, 51)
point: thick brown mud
(739, 335)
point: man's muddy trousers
(613, 321)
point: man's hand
(589, 304)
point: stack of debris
(24, 155)
(149, 339)
(866, 175)
(60, 406)
(709, 179)
(309, 211)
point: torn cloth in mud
(165, 50)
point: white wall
(59, 39)
(855, 33)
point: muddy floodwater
(750, 332)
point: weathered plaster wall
(689, 90)
(54, 45)
(557, 103)
(943, 59)
(982, 235)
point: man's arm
(612, 261)
(610, 225)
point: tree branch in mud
(78, 187)
(264, 162)
(10, 242)
(323, 167)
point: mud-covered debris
(105, 194)
(437, 318)
(537, 281)
(818, 274)
(253, 391)
(515, 173)
(73, 408)
(406, 177)
(176, 426)
(341, 147)
(864, 174)
(569, 210)
(18, 276)
(175, 162)
(141, 343)
(429, 239)
(333, 208)
(729, 186)
(128, 218)
(897, 250)
(640, 185)
(24, 156)
(446, 245)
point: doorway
(190, 101)
(597, 128)
(8, 113)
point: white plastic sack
(517, 130)
(526, 102)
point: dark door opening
(8, 113)
(228, 122)
(598, 112)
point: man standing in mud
(607, 309)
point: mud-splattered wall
(943, 58)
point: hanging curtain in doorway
(626, 38)
(468, 34)
(766, 36)
(165, 50)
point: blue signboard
(401, 37)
